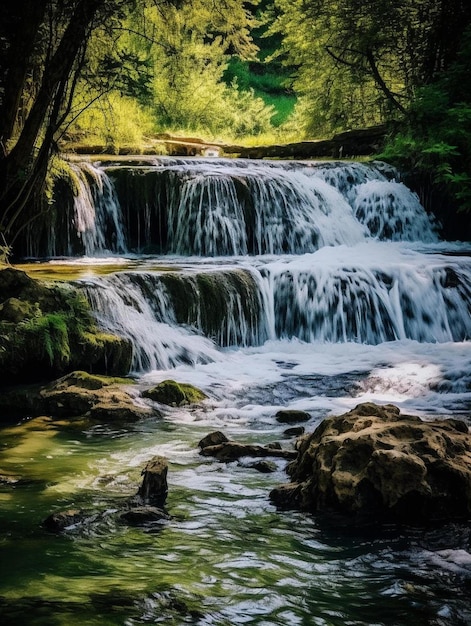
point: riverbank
(48, 330)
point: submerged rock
(141, 515)
(292, 416)
(63, 520)
(295, 431)
(232, 450)
(374, 462)
(174, 394)
(146, 507)
(264, 467)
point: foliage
(113, 120)
(48, 336)
(46, 331)
(194, 45)
(435, 139)
(360, 62)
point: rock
(9, 479)
(48, 330)
(292, 416)
(358, 142)
(232, 450)
(141, 509)
(14, 310)
(373, 462)
(154, 488)
(174, 394)
(141, 515)
(77, 395)
(58, 522)
(264, 467)
(296, 431)
(213, 439)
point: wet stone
(295, 431)
(141, 515)
(292, 416)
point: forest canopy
(121, 72)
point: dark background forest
(123, 72)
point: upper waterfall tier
(223, 207)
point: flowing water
(311, 286)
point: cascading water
(97, 219)
(382, 295)
(225, 208)
(309, 286)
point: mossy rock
(174, 394)
(84, 380)
(77, 395)
(48, 330)
(15, 310)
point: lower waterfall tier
(368, 294)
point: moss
(47, 331)
(84, 380)
(175, 394)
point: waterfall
(224, 207)
(306, 251)
(97, 215)
(379, 295)
(174, 318)
(392, 212)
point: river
(312, 286)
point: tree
(37, 90)
(363, 60)
(49, 55)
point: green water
(226, 556)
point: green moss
(84, 380)
(47, 331)
(48, 335)
(175, 394)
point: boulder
(174, 394)
(292, 416)
(154, 488)
(373, 462)
(77, 395)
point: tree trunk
(20, 171)
(23, 35)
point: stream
(268, 285)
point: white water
(369, 285)
(236, 207)
(96, 211)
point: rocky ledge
(374, 463)
(47, 330)
(78, 395)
